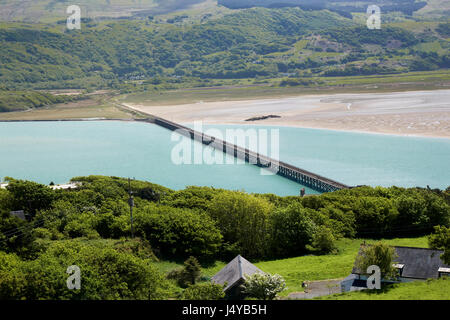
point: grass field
(51, 10)
(83, 109)
(299, 269)
(434, 7)
(234, 90)
(419, 290)
(244, 89)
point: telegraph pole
(131, 204)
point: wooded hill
(343, 7)
(258, 42)
(24, 100)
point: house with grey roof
(413, 264)
(232, 276)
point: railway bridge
(303, 177)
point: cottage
(413, 264)
(233, 275)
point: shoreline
(407, 114)
(419, 114)
(245, 124)
(405, 135)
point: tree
(263, 286)
(188, 274)
(379, 254)
(178, 232)
(30, 196)
(323, 241)
(106, 274)
(192, 270)
(441, 240)
(149, 194)
(291, 230)
(16, 235)
(242, 219)
(203, 291)
(374, 213)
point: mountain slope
(251, 43)
(53, 10)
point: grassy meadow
(310, 267)
(419, 290)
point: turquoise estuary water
(58, 151)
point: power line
(7, 232)
(21, 231)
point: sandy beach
(417, 113)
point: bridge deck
(304, 177)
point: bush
(379, 254)
(242, 219)
(81, 225)
(106, 274)
(291, 230)
(188, 275)
(16, 235)
(30, 196)
(263, 286)
(178, 232)
(441, 240)
(42, 233)
(204, 291)
(323, 241)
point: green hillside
(53, 10)
(253, 43)
(24, 100)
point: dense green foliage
(258, 42)
(24, 100)
(378, 254)
(204, 291)
(211, 223)
(29, 196)
(440, 239)
(188, 275)
(323, 241)
(342, 7)
(292, 229)
(207, 223)
(179, 232)
(444, 29)
(106, 274)
(242, 219)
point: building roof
(71, 185)
(19, 214)
(418, 263)
(234, 272)
(66, 186)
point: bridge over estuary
(301, 176)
